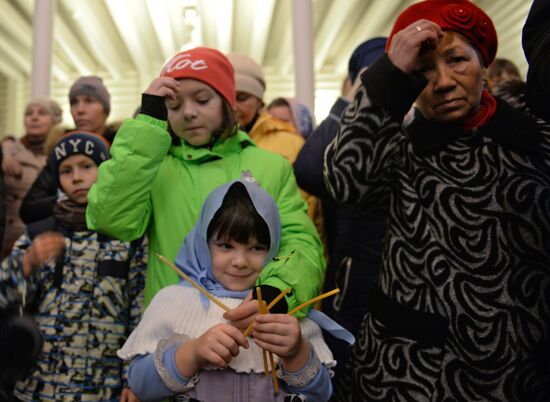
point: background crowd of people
(424, 196)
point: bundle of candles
(263, 309)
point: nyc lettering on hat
(80, 142)
(75, 146)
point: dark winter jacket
(353, 236)
(351, 232)
(536, 45)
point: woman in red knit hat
(462, 307)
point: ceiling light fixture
(190, 13)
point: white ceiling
(121, 38)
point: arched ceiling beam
(337, 16)
(131, 30)
(161, 25)
(101, 35)
(68, 44)
(375, 20)
(217, 23)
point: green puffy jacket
(150, 185)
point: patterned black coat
(463, 307)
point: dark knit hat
(206, 65)
(79, 142)
(92, 86)
(460, 16)
(364, 55)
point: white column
(302, 30)
(42, 47)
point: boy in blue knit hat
(84, 289)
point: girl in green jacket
(167, 160)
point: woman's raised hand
(408, 44)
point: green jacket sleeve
(300, 264)
(119, 203)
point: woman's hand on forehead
(166, 87)
(408, 44)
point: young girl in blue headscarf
(183, 346)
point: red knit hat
(460, 16)
(207, 65)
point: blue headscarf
(303, 118)
(194, 256)
(195, 260)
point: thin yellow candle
(193, 283)
(260, 309)
(274, 374)
(314, 300)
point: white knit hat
(249, 77)
(51, 106)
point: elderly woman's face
(455, 80)
(38, 120)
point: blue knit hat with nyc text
(79, 142)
